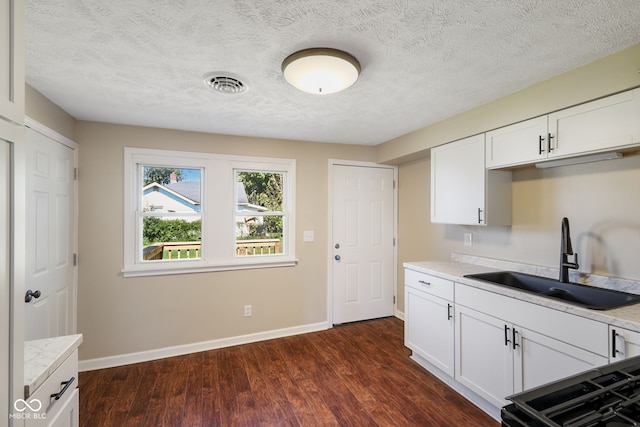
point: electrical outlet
(468, 239)
(247, 311)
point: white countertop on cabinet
(625, 317)
(42, 357)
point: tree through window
(259, 213)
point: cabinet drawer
(52, 386)
(437, 286)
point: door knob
(337, 257)
(31, 294)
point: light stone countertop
(625, 317)
(42, 357)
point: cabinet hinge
(75, 174)
(75, 259)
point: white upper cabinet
(601, 125)
(11, 61)
(605, 124)
(520, 143)
(463, 191)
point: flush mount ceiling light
(321, 71)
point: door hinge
(394, 241)
(394, 299)
(75, 174)
(75, 259)
(394, 184)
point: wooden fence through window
(191, 250)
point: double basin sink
(571, 293)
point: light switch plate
(308, 236)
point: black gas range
(606, 396)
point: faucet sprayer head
(566, 237)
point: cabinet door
(600, 125)
(11, 60)
(483, 355)
(624, 344)
(516, 144)
(458, 182)
(429, 328)
(539, 359)
(69, 414)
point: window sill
(164, 269)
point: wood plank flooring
(353, 375)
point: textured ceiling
(141, 62)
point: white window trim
(218, 175)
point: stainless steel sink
(572, 293)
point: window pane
(167, 190)
(171, 189)
(259, 235)
(259, 191)
(171, 238)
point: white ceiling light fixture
(321, 71)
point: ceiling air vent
(225, 83)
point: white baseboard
(399, 314)
(161, 353)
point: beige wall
(119, 316)
(42, 110)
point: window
(259, 215)
(193, 212)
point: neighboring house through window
(192, 212)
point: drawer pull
(424, 283)
(66, 385)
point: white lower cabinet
(69, 413)
(492, 346)
(539, 359)
(429, 330)
(483, 362)
(519, 345)
(496, 359)
(57, 397)
(623, 343)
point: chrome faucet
(565, 250)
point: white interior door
(50, 235)
(362, 239)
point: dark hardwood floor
(353, 375)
